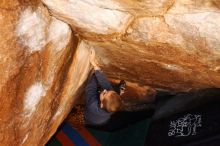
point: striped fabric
(68, 136)
(134, 134)
(64, 139)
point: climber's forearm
(91, 90)
(96, 67)
(102, 80)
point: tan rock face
(42, 70)
(169, 44)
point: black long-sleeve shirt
(94, 114)
(99, 118)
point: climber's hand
(93, 60)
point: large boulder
(168, 44)
(43, 70)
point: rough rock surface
(43, 69)
(168, 44)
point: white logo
(185, 126)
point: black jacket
(94, 114)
